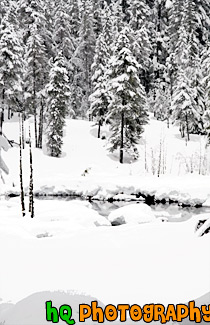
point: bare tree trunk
(122, 138)
(1, 120)
(99, 128)
(2, 112)
(9, 113)
(34, 105)
(41, 117)
(21, 175)
(22, 124)
(187, 127)
(31, 185)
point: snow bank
(87, 169)
(147, 263)
(132, 213)
(31, 310)
(52, 218)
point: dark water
(173, 212)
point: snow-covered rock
(203, 225)
(132, 213)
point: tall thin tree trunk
(1, 120)
(34, 104)
(9, 113)
(22, 124)
(99, 128)
(41, 117)
(122, 138)
(187, 127)
(31, 185)
(2, 112)
(21, 175)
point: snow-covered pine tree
(199, 94)
(117, 17)
(3, 9)
(142, 50)
(62, 32)
(74, 16)
(159, 40)
(30, 12)
(35, 75)
(161, 105)
(11, 66)
(127, 107)
(205, 67)
(184, 108)
(97, 17)
(187, 95)
(107, 27)
(139, 13)
(83, 60)
(58, 99)
(98, 98)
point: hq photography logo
(124, 312)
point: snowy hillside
(88, 169)
(69, 246)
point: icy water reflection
(173, 212)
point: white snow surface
(87, 168)
(151, 262)
(69, 246)
(132, 213)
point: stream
(173, 212)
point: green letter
(65, 314)
(51, 312)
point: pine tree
(58, 98)
(98, 99)
(74, 16)
(62, 31)
(199, 94)
(184, 107)
(97, 17)
(3, 9)
(127, 108)
(35, 75)
(161, 105)
(83, 59)
(205, 67)
(107, 27)
(30, 13)
(11, 66)
(139, 13)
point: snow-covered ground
(88, 169)
(69, 246)
(158, 262)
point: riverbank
(87, 169)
